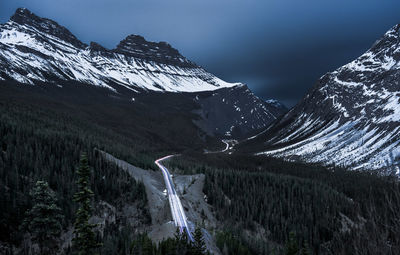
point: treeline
(333, 211)
(229, 244)
(178, 245)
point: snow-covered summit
(36, 49)
(275, 103)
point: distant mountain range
(39, 51)
(351, 117)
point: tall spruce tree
(292, 247)
(182, 242)
(85, 239)
(306, 249)
(199, 246)
(43, 221)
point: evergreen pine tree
(292, 247)
(143, 246)
(306, 249)
(182, 243)
(85, 238)
(199, 246)
(43, 221)
(147, 247)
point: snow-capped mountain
(39, 51)
(351, 117)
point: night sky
(279, 48)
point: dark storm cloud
(279, 48)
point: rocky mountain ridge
(39, 51)
(349, 118)
(36, 49)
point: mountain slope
(235, 112)
(350, 118)
(38, 51)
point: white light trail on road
(178, 214)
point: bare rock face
(24, 17)
(136, 46)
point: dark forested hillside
(43, 131)
(41, 145)
(140, 124)
(333, 211)
(263, 205)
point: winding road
(178, 214)
(227, 145)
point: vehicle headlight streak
(178, 214)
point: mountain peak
(23, 11)
(137, 46)
(394, 31)
(25, 17)
(389, 42)
(135, 38)
(276, 104)
(393, 34)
